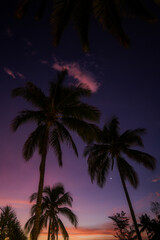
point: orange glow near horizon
(86, 234)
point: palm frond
(41, 9)
(63, 229)
(113, 128)
(107, 14)
(65, 199)
(33, 197)
(102, 172)
(53, 193)
(32, 94)
(54, 140)
(32, 142)
(87, 131)
(26, 116)
(81, 19)
(60, 17)
(22, 8)
(145, 159)
(55, 88)
(68, 96)
(127, 171)
(29, 224)
(133, 137)
(135, 8)
(33, 209)
(98, 162)
(69, 214)
(65, 136)
(82, 111)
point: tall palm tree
(54, 115)
(54, 203)
(109, 13)
(111, 150)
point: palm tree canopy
(109, 13)
(60, 111)
(55, 202)
(113, 146)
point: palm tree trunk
(35, 232)
(130, 206)
(49, 229)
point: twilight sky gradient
(124, 82)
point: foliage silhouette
(151, 226)
(9, 225)
(53, 116)
(155, 208)
(54, 203)
(123, 230)
(110, 150)
(109, 13)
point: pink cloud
(4, 202)
(9, 72)
(45, 62)
(13, 74)
(82, 76)
(20, 75)
(156, 179)
(157, 194)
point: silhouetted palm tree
(54, 203)
(54, 115)
(109, 13)
(111, 150)
(10, 227)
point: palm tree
(109, 13)
(10, 227)
(110, 150)
(54, 115)
(54, 203)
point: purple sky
(125, 83)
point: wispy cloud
(83, 76)
(13, 74)
(156, 179)
(45, 62)
(9, 72)
(4, 202)
(20, 75)
(157, 194)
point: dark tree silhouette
(151, 226)
(155, 208)
(53, 116)
(54, 204)
(109, 13)
(123, 230)
(111, 150)
(10, 227)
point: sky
(125, 83)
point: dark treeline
(151, 227)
